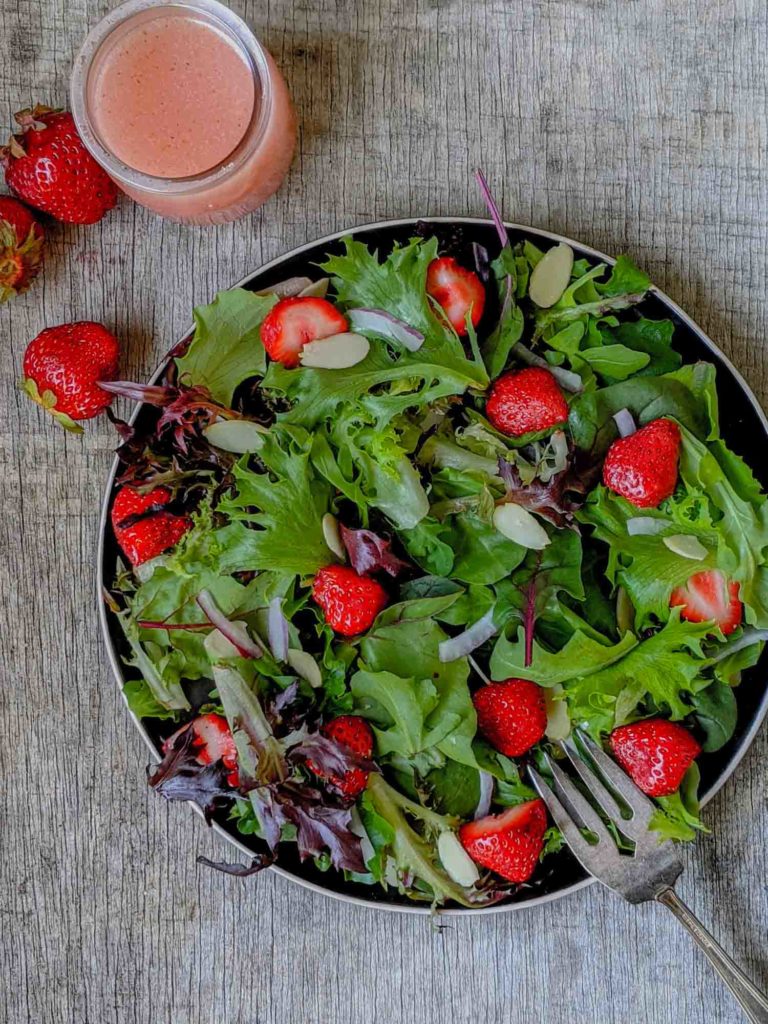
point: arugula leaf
(615, 361)
(653, 337)
(226, 348)
(685, 397)
(581, 656)
(396, 708)
(716, 714)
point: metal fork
(647, 873)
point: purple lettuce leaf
(560, 497)
(179, 776)
(369, 553)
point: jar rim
(124, 174)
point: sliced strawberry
(294, 322)
(352, 732)
(510, 843)
(709, 597)
(141, 527)
(213, 742)
(655, 753)
(457, 290)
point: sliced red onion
(568, 380)
(482, 261)
(239, 639)
(486, 795)
(747, 639)
(317, 290)
(277, 630)
(388, 326)
(493, 209)
(154, 394)
(625, 422)
(288, 288)
(468, 641)
(645, 526)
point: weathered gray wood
(634, 125)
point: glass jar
(184, 109)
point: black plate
(743, 426)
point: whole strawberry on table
(446, 507)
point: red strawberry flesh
(212, 742)
(457, 290)
(154, 531)
(510, 843)
(350, 602)
(294, 322)
(709, 597)
(355, 734)
(511, 715)
(643, 467)
(655, 753)
(526, 401)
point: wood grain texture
(633, 125)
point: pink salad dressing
(184, 109)
(173, 97)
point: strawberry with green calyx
(62, 369)
(21, 247)
(48, 166)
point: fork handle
(752, 1001)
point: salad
(391, 533)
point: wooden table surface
(637, 126)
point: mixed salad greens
(392, 468)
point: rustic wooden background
(633, 125)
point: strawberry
(511, 715)
(154, 531)
(655, 753)
(526, 401)
(62, 368)
(457, 290)
(352, 732)
(508, 843)
(213, 742)
(643, 467)
(709, 597)
(21, 247)
(48, 167)
(293, 322)
(350, 602)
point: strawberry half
(63, 366)
(294, 322)
(352, 732)
(457, 290)
(142, 529)
(526, 401)
(212, 742)
(511, 715)
(510, 843)
(709, 597)
(643, 467)
(655, 753)
(349, 602)
(48, 167)
(21, 248)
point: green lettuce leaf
(677, 816)
(291, 501)
(226, 348)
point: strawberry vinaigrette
(184, 109)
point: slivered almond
(551, 275)
(238, 436)
(336, 352)
(517, 524)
